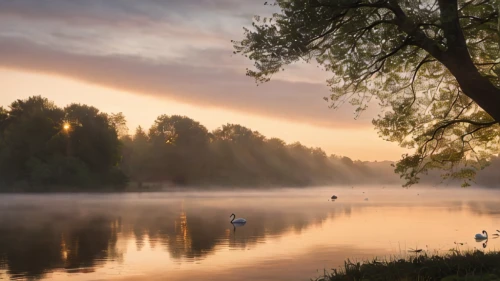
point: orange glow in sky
(148, 58)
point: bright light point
(66, 126)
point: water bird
(480, 236)
(239, 220)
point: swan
(481, 236)
(240, 220)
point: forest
(45, 148)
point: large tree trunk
(473, 84)
(458, 61)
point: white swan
(240, 220)
(481, 236)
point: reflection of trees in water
(454, 206)
(90, 243)
(194, 232)
(75, 245)
(38, 240)
(490, 208)
(30, 251)
(183, 233)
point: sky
(151, 57)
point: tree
(433, 66)
(89, 136)
(180, 147)
(28, 130)
(136, 155)
(44, 146)
(238, 134)
(119, 122)
(93, 138)
(238, 155)
(4, 115)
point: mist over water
(290, 234)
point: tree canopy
(44, 147)
(432, 65)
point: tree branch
(451, 122)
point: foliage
(180, 145)
(180, 151)
(44, 146)
(119, 121)
(456, 266)
(432, 66)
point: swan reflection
(237, 224)
(485, 243)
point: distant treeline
(45, 147)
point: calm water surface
(290, 234)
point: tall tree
(180, 147)
(119, 122)
(93, 138)
(137, 153)
(28, 129)
(4, 115)
(433, 65)
(238, 154)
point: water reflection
(36, 237)
(99, 234)
(237, 224)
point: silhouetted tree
(136, 155)
(180, 147)
(42, 145)
(93, 139)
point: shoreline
(474, 265)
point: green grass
(456, 266)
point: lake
(290, 234)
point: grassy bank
(455, 266)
